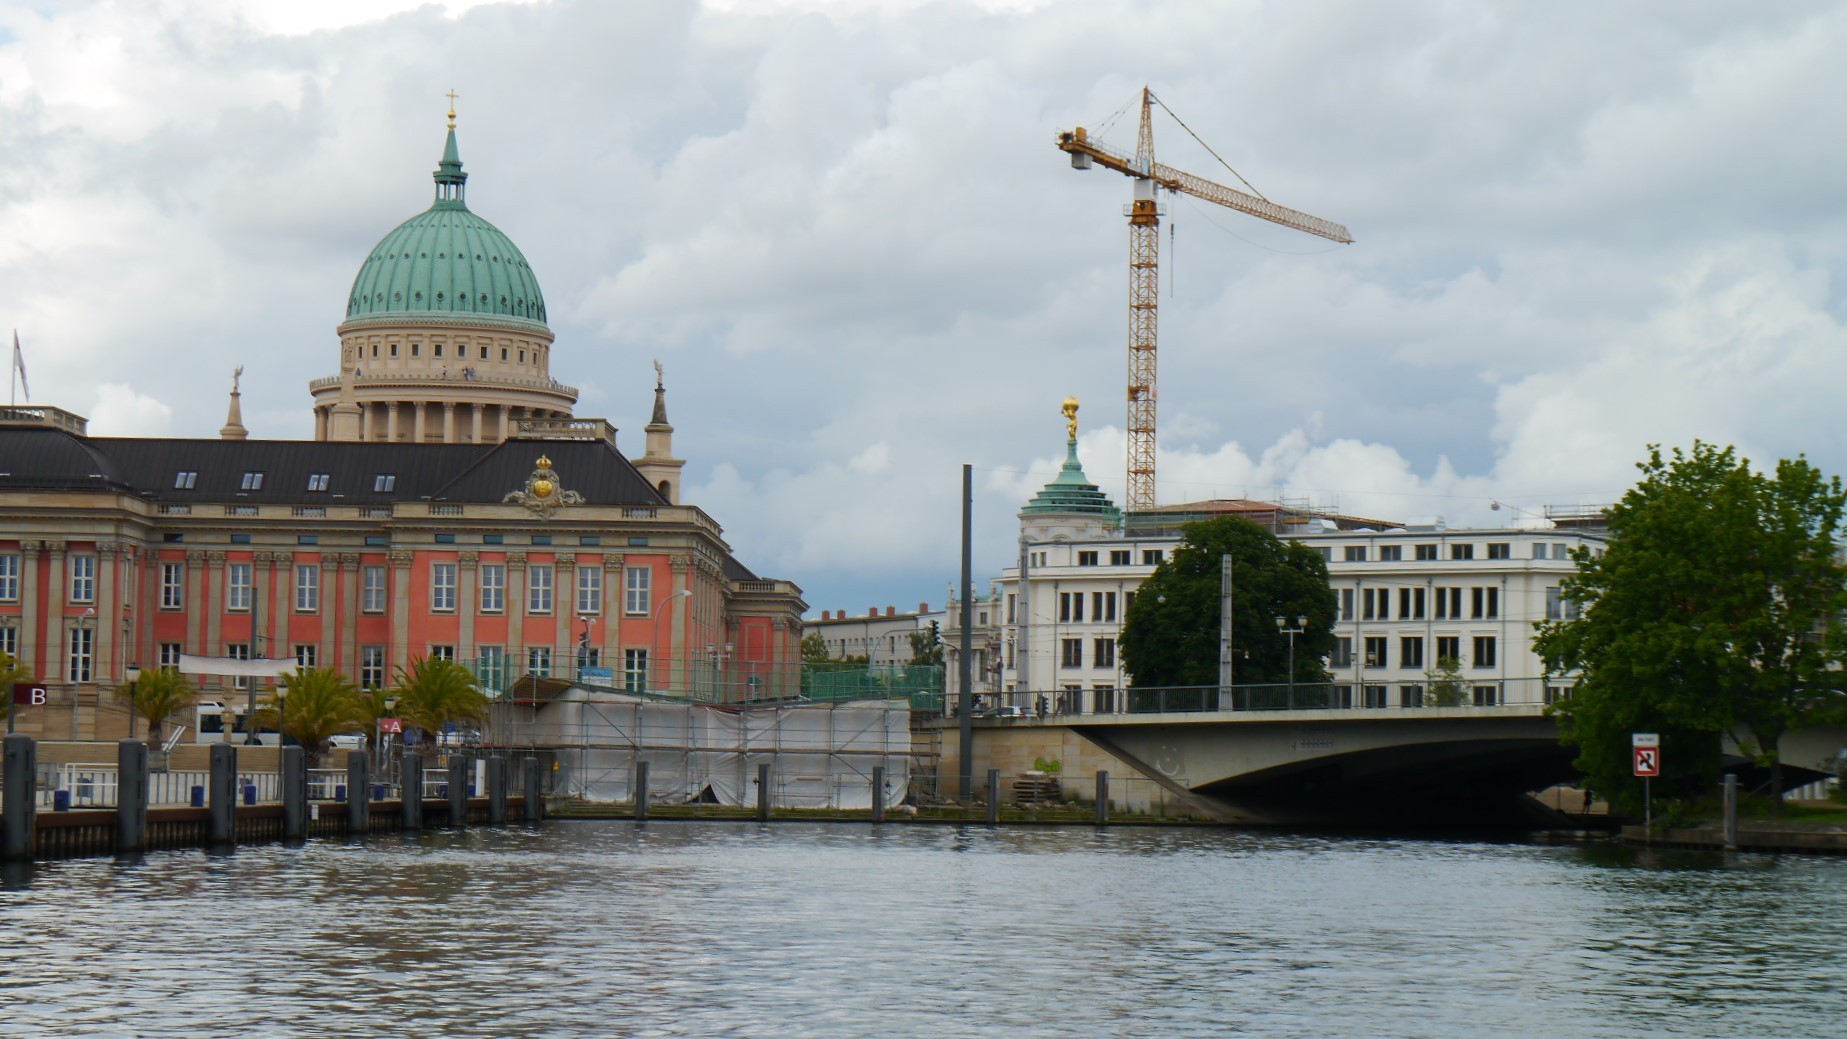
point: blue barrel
(250, 793)
(60, 800)
(198, 797)
(339, 792)
(378, 791)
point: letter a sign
(1647, 761)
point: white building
(1408, 597)
(883, 637)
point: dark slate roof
(51, 459)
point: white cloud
(119, 411)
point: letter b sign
(25, 694)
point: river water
(712, 929)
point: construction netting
(821, 755)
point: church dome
(446, 261)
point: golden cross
(452, 96)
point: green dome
(1072, 493)
(447, 261)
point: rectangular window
(1010, 606)
(318, 481)
(1410, 604)
(169, 655)
(307, 589)
(305, 655)
(1410, 696)
(539, 588)
(172, 585)
(83, 578)
(1449, 647)
(635, 670)
(442, 587)
(493, 587)
(1070, 607)
(589, 589)
(1086, 559)
(541, 539)
(539, 661)
(1340, 697)
(237, 586)
(1103, 653)
(9, 640)
(636, 581)
(1375, 651)
(1103, 698)
(1346, 604)
(442, 652)
(1500, 550)
(1103, 606)
(1462, 551)
(83, 654)
(1374, 695)
(1151, 557)
(1376, 604)
(1449, 604)
(372, 590)
(491, 668)
(9, 578)
(252, 482)
(1391, 553)
(1354, 554)
(1119, 557)
(1425, 553)
(493, 539)
(1073, 652)
(384, 482)
(1411, 652)
(184, 480)
(371, 667)
(1485, 603)
(238, 651)
(1559, 608)
(1343, 652)
(1556, 693)
(1484, 651)
(1487, 695)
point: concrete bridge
(1429, 766)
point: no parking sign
(1647, 754)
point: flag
(19, 365)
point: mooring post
(763, 792)
(292, 774)
(993, 796)
(20, 809)
(1730, 790)
(878, 793)
(131, 797)
(496, 790)
(535, 791)
(1102, 797)
(221, 796)
(459, 768)
(358, 792)
(410, 798)
(641, 791)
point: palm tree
(317, 702)
(11, 670)
(157, 694)
(373, 704)
(435, 692)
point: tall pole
(965, 669)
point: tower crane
(1144, 264)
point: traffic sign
(1647, 761)
(1645, 739)
(29, 694)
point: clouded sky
(843, 228)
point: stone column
(565, 625)
(202, 614)
(109, 614)
(282, 599)
(612, 613)
(467, 602)
(320, 423)
(419, 429)
(56, 660)
(259, 599)
(31, 649)
(474, 412)
(346, 647)
(391, 420)
(448, 422)
(678, 629)
(516, 614)
(400, 605)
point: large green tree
(1714, 611)
(315, 703)
(435, 691)
(1170, 636)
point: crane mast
(1144, 213)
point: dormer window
(318, 481)
(252, 482)
(184, 480)
(385, 482)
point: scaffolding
(821, 755)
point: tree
(435, 692)
(1714, 611)
(155, 695)
(11, 670)
(1170, 636)
(1446, 688)
(316, 703)
(927, 646)
(814, 649)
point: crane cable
(1207, 147)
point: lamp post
(660, 609)
(583, 645)
(131, 677)
(1283, 625)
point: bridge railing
(1368, 696)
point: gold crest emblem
(543, 493)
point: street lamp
(659, 612)
(1301, 625)
(583, 645)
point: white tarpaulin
(820, 755)
(265, 668)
